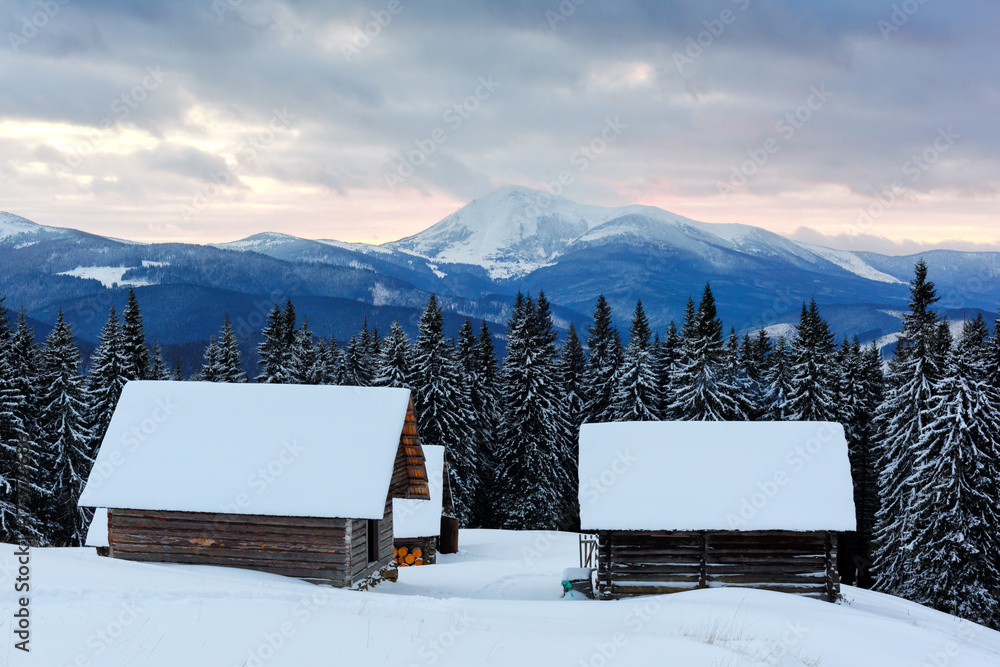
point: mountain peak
(15, 225)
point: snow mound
(498, 601)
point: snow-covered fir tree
(358, 370)
(701, 390)
(778, 378)
(668, 356)
(9, 428)
(572, 372)
(178, 374)
(230, 365)
(393, 367)
(106, 377)
(812, 391)
(637, 396)
(64, 442)
(488, 418)
(307, 357)
(991, 355)
(530, 483)
(134, 341)
(275, 351)
(210, 369)
(604, 348)
(159, 370)
(954, 551)
(443, 413)
(902, 419)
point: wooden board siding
(409, 474)
(360, 567)
(635, 563)
(309, 548)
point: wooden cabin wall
(636, 563)
(360, 567)
(310, 548)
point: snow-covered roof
(282, 450)
(422, 518)
(715, 476)
(97, 532)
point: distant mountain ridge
(476, 260)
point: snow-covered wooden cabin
(290, 479)
(424, 528)
(683, 505)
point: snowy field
(496, 602)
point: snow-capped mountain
(476, 260)
(514, 231)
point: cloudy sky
(868, 124)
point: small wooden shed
(424, 528)
(290, 479)
(684, 505)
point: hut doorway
(372, 540)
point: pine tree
(230, 365)
(393, 368)
(9, 428)
(564, 444)
(572, 372)
(159, 370)
(701, 390)
(65, 443)
(106, 377)
(902, 419)
(443, 414)
(637, 396)
(134, 341)
(306, 361)
(530, 461)
(956, 478)
(178, 374)
(605, 357)
(667, 359)
(992, 357)
(488, 411)
(812, 395)
(210, 369)
(358, 371)
(21, 401)
(275, 351)
(779, 382)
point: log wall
(637, 563)
(310, 548)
